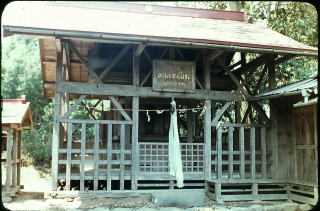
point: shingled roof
(103, 20)
(16, 113)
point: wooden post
(109, 156)
(68, 165)
(135, 124)
(83, 158)
(14, 159)
(230, 149)
(190, 125)
(219, 161)
(253, 161)
(19, 157)
(122, 169)
(242, 164)
(263, 153)
(8, 159)
(56, 124)
(96, 157)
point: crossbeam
(119, 107)
(129, 90)
(220, 113)
(71, 109)
(139, 49)
(214, 55)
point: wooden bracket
(214, 55)
(220, 113)
(139, 49)
(71, 109)
(119, 107)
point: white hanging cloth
(175, 163)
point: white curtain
(175, 163)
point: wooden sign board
(173, 76)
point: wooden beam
(71, 109)
(198, 82)
(109, 156)
(145, 52)
(136, 67)
(242, 157)
(230, 152)
(8, 159)
(220, 113)
(14, 159)
(113, 63)
(283, 59)
(58, 45)
(214, 55)
(122, 147)
(19, 157)
(119, 107)
(139, 49)
(67, 51)
(69, 147)
(96, 156)
(88, 110)
(83, 61)
(146, 78)
(254, 64)
(82, 162)
(129, 90)
(135, 144)
(180, 54)
(261, 77)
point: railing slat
(122, 143)
(96, 157)
(109, 156)
(230, 148)
(69, 146)
(264, 152)
(83, 158)
(242, 166)
(253, 152)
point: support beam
(9, 158)
(128, 90)
(135, 144)
(119, 107)
(83, 61)
(198, 82)
(254, 64)
(77, 103)
(113, 63)
(82, 162)
(139, 49)
(58, 45)
(180, 54)
(220, 113)
(214, 55)
(88, 110)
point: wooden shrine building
(15, 117)
(113, 68)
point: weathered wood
(83, 61)
(242, 166)
(68, 165)
(241, 125)
(190, 125)
(56, 124)
(19, 157)
(220, 113)
(77, 103)
(230, 151)
(214, 55)
(128, 90)
(219, 152)
(261, 77)
(119, 107)
(83, 158)
(135, 144)
(14, 158)
(96, 121)
(254, 64)
(145, 52)
(180, 54)
(122, 143)
(8, 158)
(264, 153)
(144, 80)
(198, 82)
(88, 110)
(136, 67)
(253, 152)
(96, 157)
(109, 156)
(217, 187)
(68, 60)
(138, 50)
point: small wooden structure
(132, 59)
(16, 116)
(294, 120)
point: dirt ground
(35, 184)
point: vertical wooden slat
(19, 157)
(122, 142)
(135, 144)
(253, 152)
(242, 164)
(68, 165)
(83, 158)
(263, 153)
(8, 159)
(56, 125)
(14, 159)
(207, 140)
(96, 157)
(219, 152)
(230, 148)
(109, 156)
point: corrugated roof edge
(275, 94)
(10, 30)
(159, 10)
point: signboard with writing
(173, 76)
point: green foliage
(20, 74)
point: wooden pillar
(19, 157)
(56, 124)
(135, 123)
(14, 159)
(190, 125)
(8, 159)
